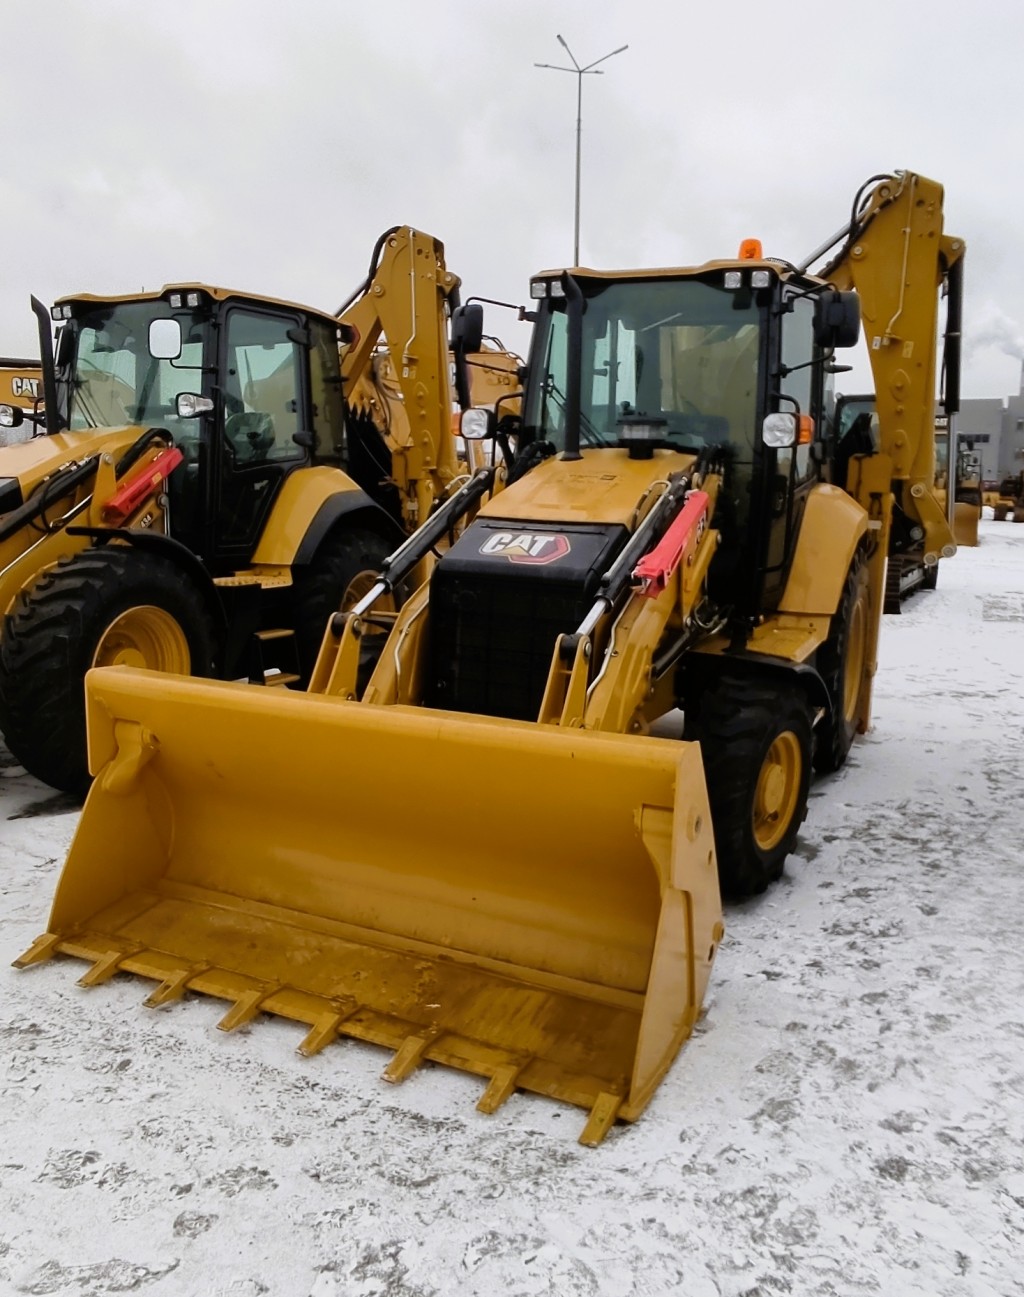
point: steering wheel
(250, 435)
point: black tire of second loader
(841, 666)
(102, 607)
(344, 569)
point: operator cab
(248, 388)
(729, 358)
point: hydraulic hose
(951, 344)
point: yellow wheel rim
(778, 791)
(144, 637)
(856, 648)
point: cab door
(263, 402)
(793, 470)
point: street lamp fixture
(579, 73)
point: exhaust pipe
(49, 372)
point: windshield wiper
(595, 438)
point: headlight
(779, 430)
(190, 406)
(475, 425)
(11, 416)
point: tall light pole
(579, 73)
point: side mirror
(476, 425)
(11, 416)
(468, 328)
(164, 339)
(836, 320)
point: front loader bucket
(534, 905)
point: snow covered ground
(848, 1119)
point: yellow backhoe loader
(1008, 501)
(21, 386)
(964, 509)
(907, 569)
(967, 493)
(678, 525)
(199, 502)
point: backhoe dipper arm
(407, 300)
(899, 228)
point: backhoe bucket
(535, 905)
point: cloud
(265, 146)
(992, 327)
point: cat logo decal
(527, 546)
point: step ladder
(274, 658)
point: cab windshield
(107, 378)
(682, 352)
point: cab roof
(210, 290)
(782, 269)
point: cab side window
(797, 350)
(262, 388)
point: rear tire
(342, 571)
(841, 664)
(755, 742)
(102, 607)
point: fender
(308, 505)
(355, 507)
(832, 527)
(703, 668)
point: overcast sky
(264, 146)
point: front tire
(106, 606)
(342, 571)
(755, 742)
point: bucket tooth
(106, 966)
(409, 1055)
(602, 1119)
(501, 1087)
(174, 986)
(326, 1029)
(247, 1006)
(42, 949)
